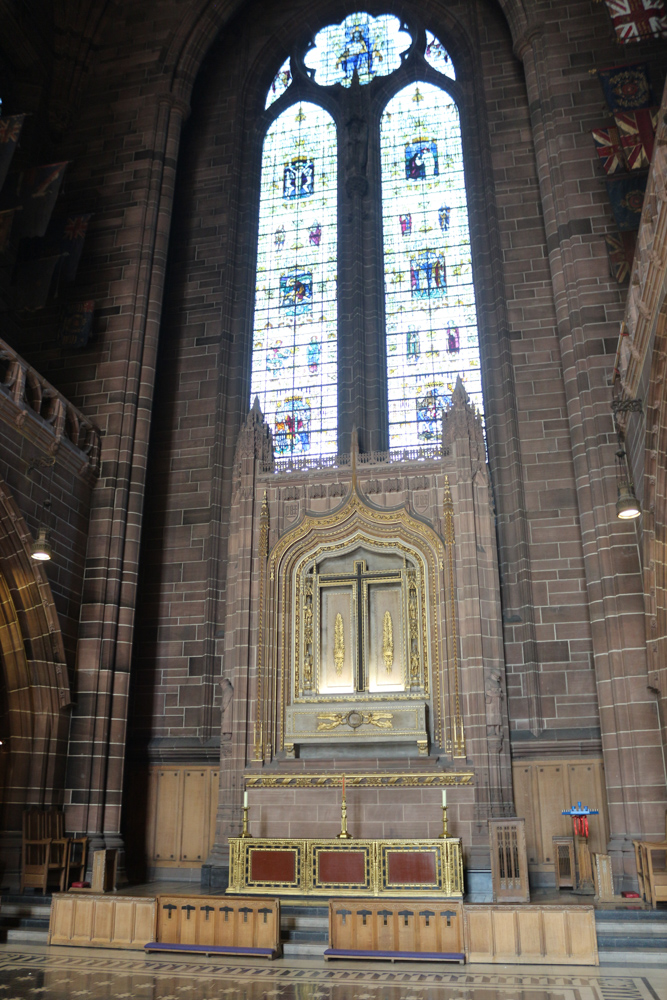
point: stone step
(289, 922)
(304, 949)
(633, 929)
(631, 957)
(24, 910)
(26, 935)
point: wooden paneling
(399, 928)
(216, 922)
(182, 804)
(531, 935)
(102, 921)
(542, 789)
(509, 864)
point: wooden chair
(77, 856)
(639, 861)
(655, 871)
(45, 849)
(42, 860)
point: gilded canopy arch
(358, 632)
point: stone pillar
(241, 719)
(97, 736)
(627, 709)
(483, 684)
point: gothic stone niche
(356, 615)
(358, 664)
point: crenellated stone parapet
(43, 414)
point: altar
(325, 867)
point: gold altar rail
(354, 867)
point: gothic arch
(35, 695)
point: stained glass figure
(281, 82)
(436, 55)
(294, 340)
(430, 301)
(361, 47)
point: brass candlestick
(343, 835)
(244, 832)
(445, 834)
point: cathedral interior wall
(165, 377)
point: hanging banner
(621, 253)
(627, 199)
(608, 147)
(10, 130)
(636, 130)
(637, 20)
(626, 88)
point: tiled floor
(59, 973)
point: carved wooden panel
(564, 863)
(218, 922)
(102, 921)
(509, 864)
(543, 788)
(182, 803)
(533, 935)
(403, 928)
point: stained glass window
(430, 301)
(294, 336)
(281, 82)
(437, 56)
(362, 45)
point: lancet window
(408, 171)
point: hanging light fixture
(41, 550)
(627, 505)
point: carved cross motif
(188, 910)
(343, 914)
(265, 911)
(405, 914)
(245, 910)
(226, 910)
(449, 914)
(169, 907)
(385, 914)
(363, 914)
(207, 910)
(427, 914)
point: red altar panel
(411, 868)
(273, 866)
(343, 867)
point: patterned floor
(59, 973)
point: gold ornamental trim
(428, 780)
(331, 720)
(388, 642)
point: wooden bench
(428, 930)
(218, 924)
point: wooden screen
(564, 864)
(509, 864)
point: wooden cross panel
(219, 922)
(405, 928)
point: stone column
(98, 730)
(628, 711)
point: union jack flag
(608, 147)
(636, 130)
(75, 227)
(10, 130)
(635, 20)
(621, 251)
